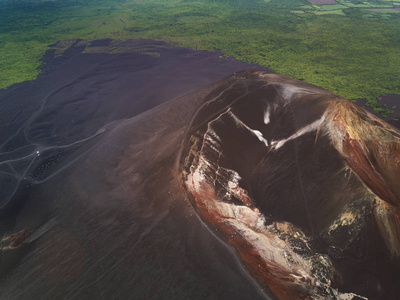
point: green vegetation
(352, 49)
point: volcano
(255, 186)
(303, 183)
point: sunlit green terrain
(352, 48)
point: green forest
(351, 48)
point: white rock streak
(267, 115)
(311, 127)
(257, 133)
(278, 144)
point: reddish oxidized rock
(15, 240)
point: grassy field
(352, 49)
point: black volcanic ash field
(67, 176)
(134, 170)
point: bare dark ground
(101, 199)
(391, 102)
(103, 226)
